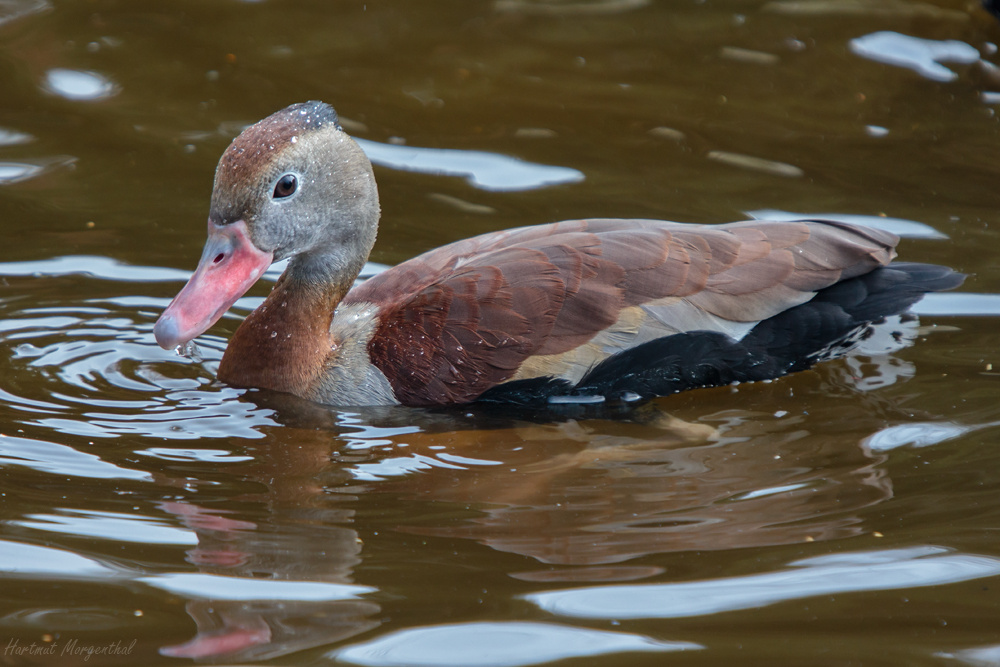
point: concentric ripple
(92, 368)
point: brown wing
(465, 317)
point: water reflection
(600, 496)
(13, 137)
(91, 265)
(497, 644)
(923, 56)
(489, 171)
(275, 585)
(264, 613)
(276, 576)
(266, 630)
(917, 434)
(107, 526)
(755, 163)
(11, 10)
(823, 575)
(861, 8)
(568, 7)
(79, 85)
(899, 226)
(18, 172)
(981, 656)
(959, 303)
(270, 579)
(57, 459)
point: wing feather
(465, 317)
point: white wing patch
(635, 326)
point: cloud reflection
(923, 56)
(509, 644)
(488, 171)
(79, 85)
(825, 575)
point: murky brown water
(847, 515)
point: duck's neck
(284, 344)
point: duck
(597, 310)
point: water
(150, 514)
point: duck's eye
(285, 187)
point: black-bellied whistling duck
(581, 310)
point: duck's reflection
(264, 629)
(295, 539)
(598, 498)
(581, 496)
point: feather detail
(556, 300)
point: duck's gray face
(290, 185)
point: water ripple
(824, 575)
(11, 10)
(497, 644)
(17, 172)
(22, 560)
(56, 459)
(91, 265)
(92, 368)
(97, 372)
(109, 526)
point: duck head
(294, 185)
